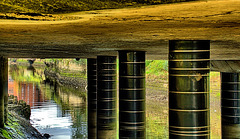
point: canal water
(61, 111)
(56, 110)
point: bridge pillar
(92, 97)
(3, 90)
(189, 114)
(230, 105)
(106, 97)
(132, 115)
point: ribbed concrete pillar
(106, 97)
(3, 90)
(92, 97)
(132, 95)
(230, 105)
(189, 114)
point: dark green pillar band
(230, 99)
(92, 97)
(132, 95)
(189, 65)
(3, 90)
(106, 97)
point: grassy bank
(66, 6)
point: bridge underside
(103, 34)
(141, 29)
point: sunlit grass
(215, 105)
(156, 120)
(66, 6)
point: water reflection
(61, 111)
(58, 111)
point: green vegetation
(14, 128)
(66, 6)
(5, 134)
(77, 75)
(157, 119)
(157, 67)
(215, 84)
(215, 105)
(156, 129)
(20, 73)
(156, 73)
(68, 67)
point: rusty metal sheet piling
(189, 114)
(230, 100)
(132, 95)
(106, 97)
(92, 97)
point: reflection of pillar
(92, 97)
(132, 94)
(189, 115)
(106, 97)
(3, 90)
(230, 105)
(55, 86)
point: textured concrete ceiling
(107, 31)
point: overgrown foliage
(65, 6)
(156, 67)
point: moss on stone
(5, 134)
(18, 128)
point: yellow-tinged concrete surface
(146, 28)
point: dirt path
(147, 28)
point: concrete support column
(189, 111)
(106, 97)
(92, 97)
(3, 90)
(132, 115)
(230, 105)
